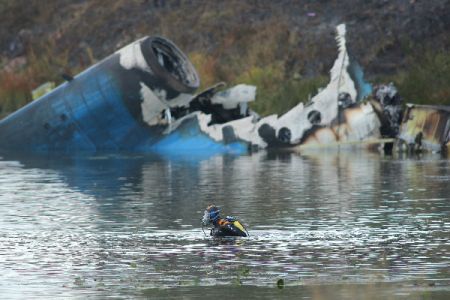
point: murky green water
(342, 226)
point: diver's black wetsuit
(223, 227)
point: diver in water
(228, 226)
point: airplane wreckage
(141, 98)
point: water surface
(129, 225)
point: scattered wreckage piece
(425, 127)
(125, 102)
(389, 106)
(223, 116)
(42, 90)
(338, 115)
(358, 124)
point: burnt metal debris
(425, 127)
(142, 98)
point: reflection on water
(128, 224)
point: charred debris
(142, 99)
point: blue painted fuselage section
(101, 110)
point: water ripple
(122, 224)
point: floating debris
(280, 283)
(42, 90)
(425, 127)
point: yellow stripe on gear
(239, 225)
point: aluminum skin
(122, 103)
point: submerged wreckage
(141, 98)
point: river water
(324, 225)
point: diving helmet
(210, 214)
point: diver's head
(210, 215)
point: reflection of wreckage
(140, 99)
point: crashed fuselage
(122, 103)
(141, 99)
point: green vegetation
(427, 81)
(14, 92)
(285, 53)
(276, 93)
(42, 63)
